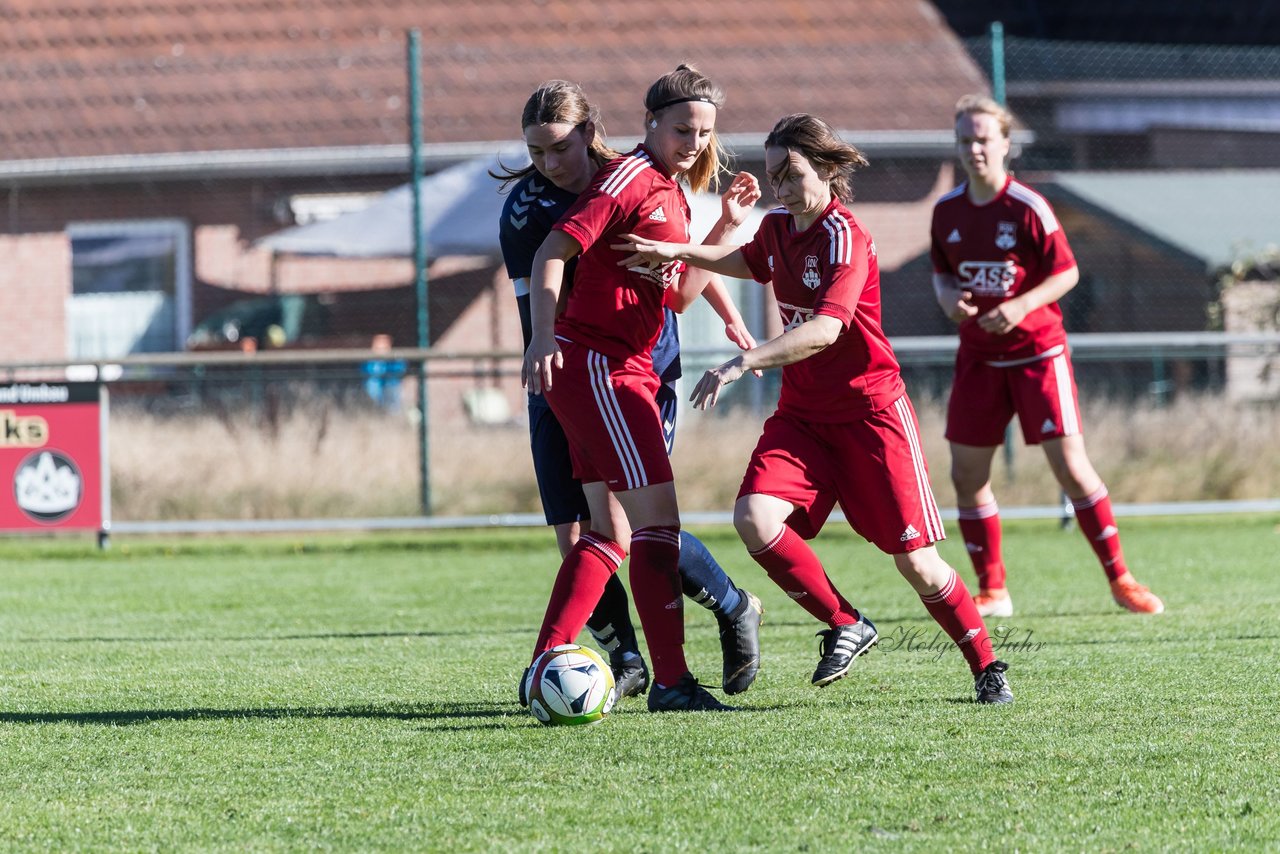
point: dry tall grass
(319, 460)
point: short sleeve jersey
(533, 207)
(998, 250)
(615, 310)
(830, 269)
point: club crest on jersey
(1006, 235)
(811, 279)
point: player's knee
(924, 569)
(750, 524)
(967, 480)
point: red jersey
(999, 250)
(615, 310)
(830, 268)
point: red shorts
(874, 467)
(610, 415)
(985, 395)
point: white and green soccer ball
(570, 685)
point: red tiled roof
(83, 78)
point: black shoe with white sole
(840, 646)
(991, 684)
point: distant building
(148, 146)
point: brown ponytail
(686, 83)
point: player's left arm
(1007, 315)
(795, 345)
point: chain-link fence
(1161, 162)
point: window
(130, 288)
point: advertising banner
(52, 457)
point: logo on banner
(1006, 235)
(48, 486)
(811, 279)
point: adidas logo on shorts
(1048, 426)
(910, 534)
(658, 215)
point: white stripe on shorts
(932, 518)
(1066, 398)
(615, 424)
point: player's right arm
(544, 353)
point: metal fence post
(419, 260)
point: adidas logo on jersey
(954, 236)
(910, 534)
(658, 215)
(1048, 426)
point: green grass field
(359, 694)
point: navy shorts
(562, 498)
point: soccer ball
(569, 685)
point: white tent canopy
(461, 207)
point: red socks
(1098, 524)
(583, 574)
(796, 569)
(655, 588)
(953, 609)
(980, 527)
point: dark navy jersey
(533, 205)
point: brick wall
(35, 282)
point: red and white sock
(980, 527)
(1098, 524)
(655, 588)
(795, 568)
(583, 574)
(953, 609)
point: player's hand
(542, 356)
(738, 333)
(738, 200)
(957, 305)
(707, 391)
(650, 253)
(1004, 318)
